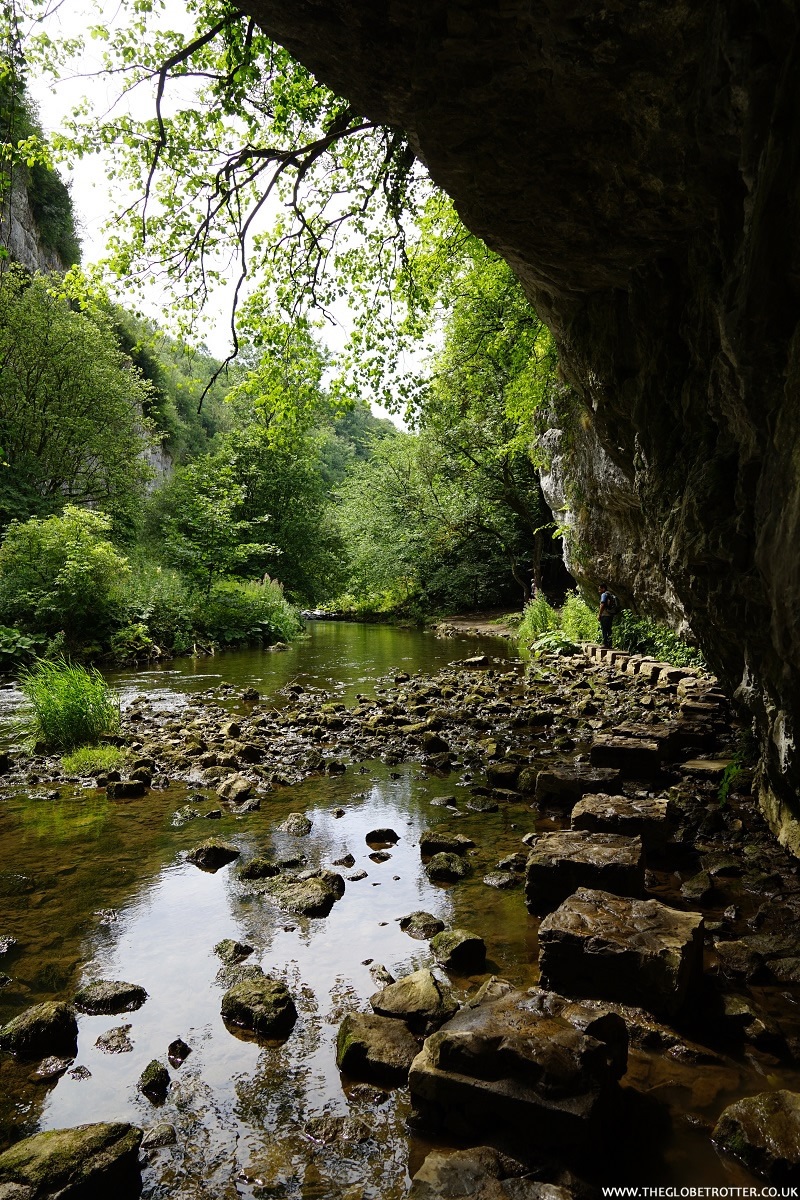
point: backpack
(612, 604)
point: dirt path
(477, 624)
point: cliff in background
(637, 165)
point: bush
(538, 617)
(159, 599)
(578, 621)
(70, 706)
(17, 649)
(93, 760)
(239, 612)
(61, 573)
(640, 635)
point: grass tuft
(93, 760)
(70, 706)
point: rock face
(635, 951)
(48, 1028)
(764, 1132)
(664, 258)
(97, 1159)
(511, 1066)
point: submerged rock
(46, 1029)
(764, 1132)
(297, 824)
(419, 999)
(636, 951)
(376, 1049)
(328, 1129)
(446, 868)
(562, 861)
(259, 868)
(421, 925)
(115, 1041)
(263, 1006)
(212, 854)
(99, 1159)
(459, 950)
(105, 996)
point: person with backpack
(609, 607)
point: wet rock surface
(213, 854)
(378, 1049)
(87, 1160)
(763, 1131)
(639, 951)
(261, 1005)
(106, 996)
(562, 862)
(420, 999)
(478, 1173)
(45, 1029)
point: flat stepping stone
(563, 786)
(636, 758)
(104, 996)
(646, 817)
(664, 734)
(421, 925)
(562, 861)
(706, 768)
(614, 948)
(763, 1131)
(262, 1006)
(419, 999)
(505, 1066)
(375, 1049)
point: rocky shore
(665, 917)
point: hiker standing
(608, 610)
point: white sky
(97, 198)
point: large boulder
(564, 860)
(615, 948)
(510, 1066)
(376, 1049)
(764, 1132)
(446, 868)
(87, 1161)
(563, 786)
(261, 1005)
(107, 996)
(45, 1029)
(419, 999)
(634, 757)
(459, 950)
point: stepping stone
(212, 854)
(97, 1160)
(646, 817)
(763, 1131)
(636, 758)
(441, 842)
(564, 785)
(105, 996)
(615, 948)
(663, 734)
(261, 1005)
(504, 1066)
(706, 768)
(421, 925)
(459, 950)
(562, 861)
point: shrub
(60, 573)
(539, 617)
(93, 760)
(159, 599)
(70, 706)
(640, 635)
(133, 645)
(238, 612)
(17, 648)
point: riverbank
(475, 794)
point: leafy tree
(61, 574)
(72, 428)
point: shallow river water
(97, 889)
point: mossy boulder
(261, 1005)
(311, 895)
(446, 868)
(419, 999)
(99, 1159)
(105, 996)
(459, 950)
(376, 1049)
(259, 868)
(45, 1029)
(212, 854)
(154, 1081)
(763, 1131)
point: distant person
(609, 607)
